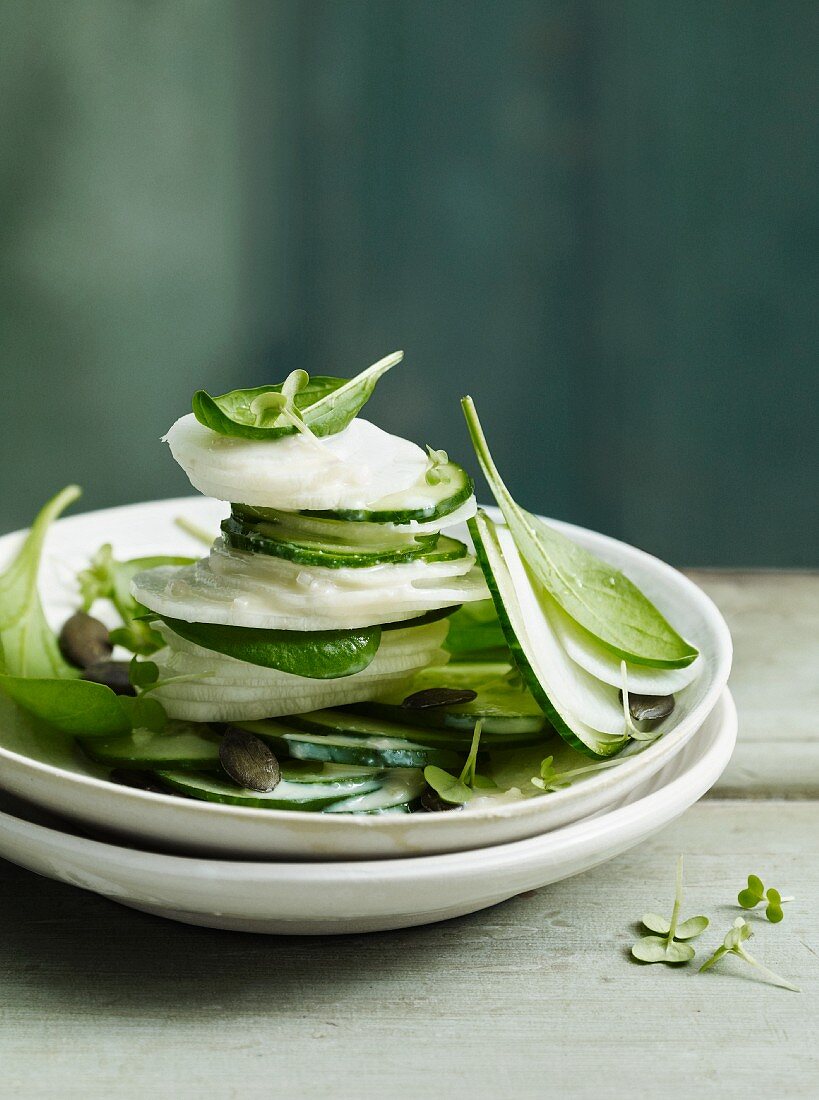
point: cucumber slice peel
(263, 538)
(338, 747)
(183, 745)
(285, 796)
(419, 504)
(536, 675)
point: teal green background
(600, 219)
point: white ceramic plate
(54, 774)
(319, 898)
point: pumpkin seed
(84, 640)
(114, 674)
(248, 760)
(132, 777)
(432, 802)
(439, 697)
(649, 708)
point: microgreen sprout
(272, 408)
(438, 460)
(755, 892)
(732, 945)
(665, 946)
(552, 780)
(460, 789)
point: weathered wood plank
(529, 999)
(774, 620)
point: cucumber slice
(546, 670)
(305, 771)
(400, 788)
(278, 542)
(506, 709)
(286, 796)
(371, 750)
(183, 745)
(419, 503)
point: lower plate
(362, 896)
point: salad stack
(331, 581)
(339, 649)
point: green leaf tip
(27, 643)
(596, 596)
(319, 406)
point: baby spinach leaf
(317, 654)
(28, 647)
(325, 404)
(598, 597)
(70, 706)
(107, 578)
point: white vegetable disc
(234, 588)
(237, 690)
(587, 652)
(349, 470)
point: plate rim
(667, 801)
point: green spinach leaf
(70, 706)
(316, 654)
(325, 404)
(597, 596)
(28, 646)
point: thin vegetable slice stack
(331, 579)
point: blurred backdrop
(598, 218)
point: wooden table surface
(533, 998)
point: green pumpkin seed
(439, 697)
(248, 760)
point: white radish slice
(349, 470)
(237, 589)
(587, 652)
(237, 690)
(570, 688)
(199, 707)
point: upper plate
(317, 898)
(51, 772)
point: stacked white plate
(225, 866)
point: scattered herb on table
(732, 945)
(755, 892)
(665, 945)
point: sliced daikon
(347, 470)
(239, 589)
